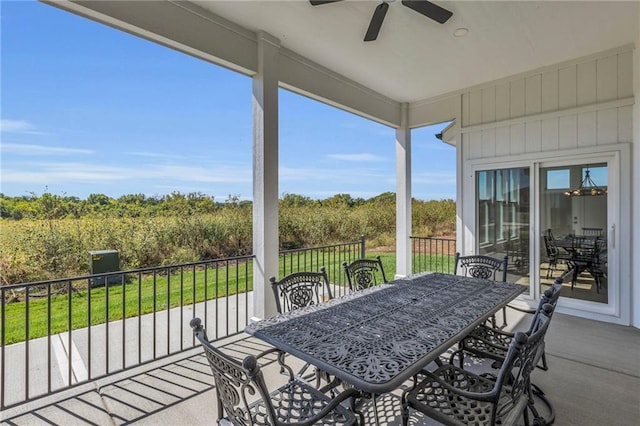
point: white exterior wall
(585, 106)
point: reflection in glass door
(503, 203)
(573, 223)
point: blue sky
(89, 109)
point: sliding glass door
(558, 218)
(503, 202)
(574, 223)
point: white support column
(635, 188)
(265, 176)
(403, 195)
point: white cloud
(73, 172)
(30, 149)
(18, 126)
(153, 155)
(363, 157)
(325, 174)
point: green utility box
(102, 261)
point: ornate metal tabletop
(379, 337)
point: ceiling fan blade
(319, 2)
(376, 22)
(428, 9)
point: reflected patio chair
(364, 273)
(593, 232)
(589, 254)
(454, 396)
(555, 255)
(244, 399)
(483, 267)
(300, 289)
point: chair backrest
(521, 359)
(593, 232)
(550, 297)
(364, 273)
(584, 248)
(479, 266)
(300, 289)
(236, 384)
(550, 246)
(549, 233)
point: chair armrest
(267, 352)
(479, 396)
(525, 310)
(489, 330)
(280, 358)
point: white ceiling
(416, 58)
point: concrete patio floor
(594, 379)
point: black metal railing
(61, 333)
(329, 256)
(429, 254)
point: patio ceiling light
(587, 187)
(461, 32)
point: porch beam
(265, 175)
(403, 194)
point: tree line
(52, 206)
(49, 236)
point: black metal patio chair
(454, 396)
(364, 273)
(492, 343)
(483, 267)
(301, 289)
(244, 399)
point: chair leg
(504, 317)
(538, 419)
(544, 366)
(405, 408)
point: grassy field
(50, 245)
(80, 305)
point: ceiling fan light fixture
(423, 7)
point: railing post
(362, 247)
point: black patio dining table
(376, 339)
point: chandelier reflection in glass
(587, 187)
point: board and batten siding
(585, 103)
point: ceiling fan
(424, 7)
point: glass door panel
(573, 224)
(503, 211)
